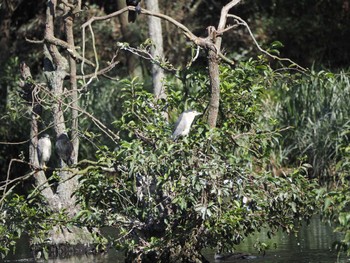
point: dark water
(312, 245)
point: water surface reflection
(312, 245)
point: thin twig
(8, 182)
(244, 23)
(254, 133)
(100, 72)
(32, 41)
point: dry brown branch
(32, 41)
(223, 19)
(5, 192)
(244, 23)
(100, 72)
(186, 31)
(14, 182)
(15, 143)
(205, 43)
(71, 50)
(145, 54)
(228, 28)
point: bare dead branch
(200, 41)
(96, 121)
(229, 28)
(58, 42)
(223, 19)
(15, 143)
(145, 54)
(244, 23)
(100, 72)
(34, 41)
(14, 181)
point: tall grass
(317, 107)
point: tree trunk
(130, 35)
(29, 93)
(69, 239)
(66, 189)
(55, 82)
(5, 26)
(213, 64)
(214, 101)
(213, 67)
(155, 34)
(73, 81)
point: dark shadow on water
(312, 245)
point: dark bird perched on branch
(44, 150)
(64, 148)
(132, 14)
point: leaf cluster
(20, 215)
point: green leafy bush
(210, 189)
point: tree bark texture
(5, 22)
(130, 35)
(155, 34)
(214, 102)
(213, 64)
(56, 68)
(59, 69)
(29, 93)
(66, 188)
(69, 20)
(68, 185)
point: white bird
(44, 150)
(183, 123)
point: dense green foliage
(336, 199)
(27, 215)
(316, 107)
(14, 120)
(210, 189)
(279, 154)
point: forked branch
(205, 43)
(244, 23)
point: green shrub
(210, 189)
